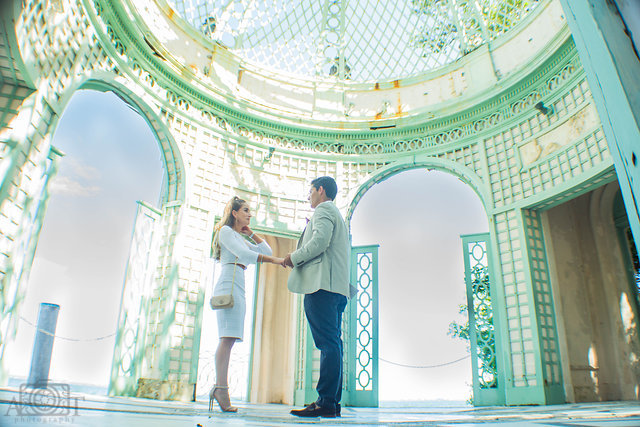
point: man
(321, 272)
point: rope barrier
(427, 366)
(110, 335)
(65, 338)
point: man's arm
(286, 261)
(320, 239)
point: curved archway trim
(175, 185)
(463, 173)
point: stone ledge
(166, 390)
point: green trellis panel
(534, 373)
(359, 337)
(134, 306)
(544, 308)
(308, 363)
(361, 343)
(306, 369)
(487, 369)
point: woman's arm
(270, 259)
(241, 249)
(237, 246)
(261, 245)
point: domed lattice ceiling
(359, 40)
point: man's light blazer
(321, 260)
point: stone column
(43, 345)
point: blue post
(43, 345)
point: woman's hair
(227, 219)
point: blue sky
(112, 159)
(417, 218)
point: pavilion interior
(256, 98)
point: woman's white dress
(232, 245)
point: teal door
(359, 337)
(486, 371)
(360, 334)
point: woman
(234, 252)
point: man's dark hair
(329, 185)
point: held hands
(286, 261)
(270, 259)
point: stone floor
(24, 408)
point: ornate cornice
(511, 105)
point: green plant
(484, 330)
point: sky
(417, 218)
(112, 159)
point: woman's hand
(251, 235)
(286, 261)
(270, 258)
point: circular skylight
(359, 40)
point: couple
(320, 272)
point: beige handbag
(218, 302)
(224, 301)
(221, 301)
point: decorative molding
(511, 105)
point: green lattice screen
(364, 40)
(362, 375)
(545, 310)
(129, 349)
(487, 369)
(359, 336)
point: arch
(175, 186)
(463, 173)
(448, 273)
(583, 232)
(172, 190)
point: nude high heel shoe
(212, 397)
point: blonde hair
(227, 219)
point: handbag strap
(233, 278)
(213, 275)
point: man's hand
(286, 262)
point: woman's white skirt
(231, 320)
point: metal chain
(110, 335)
(425, 367)
(65, 338)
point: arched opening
(417, 217)
(111, 161)
(592, 266)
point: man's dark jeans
(324, 313)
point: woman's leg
(221, 390)
(223, 354)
